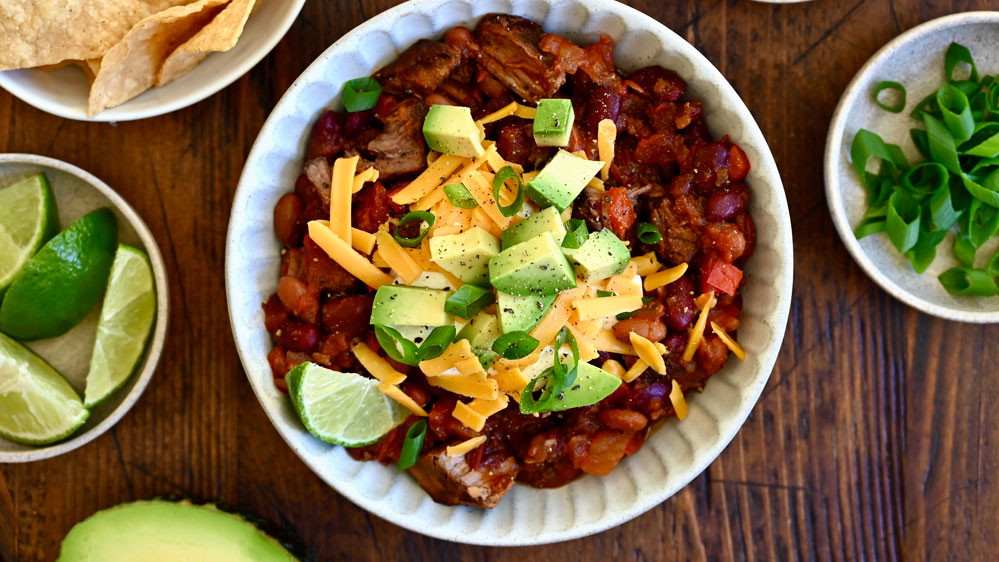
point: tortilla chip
(129, 68)
(219, 35)
(40, 32)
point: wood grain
(876, 438)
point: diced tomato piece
(738, 163)
(725, 277)
(619, 211)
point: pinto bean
(288, 219)
(297, 297)
(297, 336)
(649, 328)
(624, 420)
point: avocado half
(162, 531)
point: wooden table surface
(876, 438)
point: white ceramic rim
(124, 112)
(154, 348)
(782, 288)
(834, 141)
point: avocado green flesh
(603, 255)
(481, 331)
(450, 129)
(561, 180)
(546, 220)
(162, 531)
(397, 305)
(553, 122)
(592, 385)
(465, 255)
(522, 314)
(535, 267)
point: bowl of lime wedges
(83, 307)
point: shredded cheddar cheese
(614, 367)
(341, 189)
(340, 251)
(636, 370)
(603, 307)
(730, 343)
(607, 341)
(435, 174)
(597, 183)
(606, 135)
(467, 386)
(664, 277)
(626, 284)
(511, 379)
(648, 352)
(489, 407)
(377, 365)
(362, 241)
(525, 112)
(457, 351)
(679, 402)
(481, 189)
(646, 264)
(397, 258)
(366, 176)
(465, 446)
(468, 416)
(396, 393)
(697, 331)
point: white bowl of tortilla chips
(120, 60)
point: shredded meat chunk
(451, 481)
(400, 148)
(680, 240)
(509, 50)
(321, 175)
(420, 69)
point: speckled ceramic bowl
(65, 92)
(77, 193)
(675, 454)
(914, 59)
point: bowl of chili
(671, 456)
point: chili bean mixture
(667, 170)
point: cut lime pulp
(37, 405)
(27, 220)
(342, 408)
(127, 318)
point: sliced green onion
(576, 234)
(866, 146)
(921, 141)
(925, 179)
(941, 144)
(957, 54)
(986, 192)
(360, 94)
(965, 281)
(413, 216)
(566, 373)
(553, 386)
(507, 173)
(889, 85)
(964, 250)
(869, 227)
(925, 251)
(902, 223)
(460, 196)
(397, 347)
(992, 267)
(625, 315)
(467, 301)
(436, 342)
(648, 233)
(601, 294)
(983, 222)
(515, 345)
(943, 215)
(956, 112)
(413, 444)
(992, 97)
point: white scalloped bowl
(673, 455)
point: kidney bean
(274, 314)
(679, 303)
(727, 203)
(624, 420)
(297, 336)
(603, 103)
(709, 162)
(327, 136)
(675, 343)
(647, 397)
(287, 219)
(356, 121)
(664, 85)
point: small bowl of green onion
(912, 167)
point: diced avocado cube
(546, 220)
(561, 180)
(481, 331)
(522, 314)
(534, 267)
(592, 385)
(398, 305)
(450, 129)
(465, 255)
(553, 122)
(603, 255)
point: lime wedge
(64, 280)
(126, 321)
(27, 220)
(342, 408)
(37, 405)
